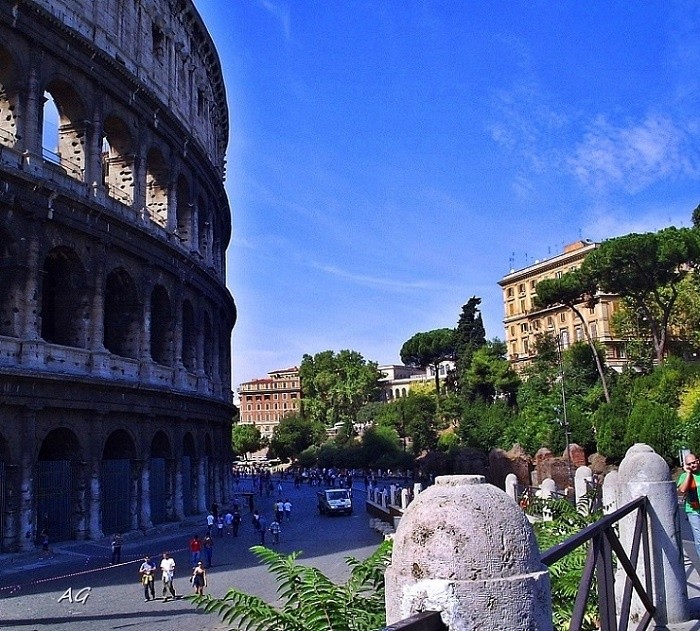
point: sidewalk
(136, 545)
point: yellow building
(523, 322)
(265, 402)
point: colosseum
(115, 321)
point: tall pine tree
(469, 336)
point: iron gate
(54, 490)
(116, 496)
(158, 490)
(187, 485)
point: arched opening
(161, 327)
(57, 484)
(189, 337)
(11, 282)
(64, 129)
(9, 118)
(160, 478)
(122, 315)
(189, 475)
(118, 160)
(157, 187)
(64, 302)
(184, 212)
(117, 482)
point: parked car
(334, 502)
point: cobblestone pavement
(112, 597)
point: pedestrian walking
(210, 522)
(199, 578)
(167, 568)
(195, 550)
(279, 510)
(236, 523)
(208, 549)
(275, 529)
(263, 528)
(220, 525)
(44, 543)
(147, 571)
(279, 489)
(228, 522)
(287, 509)
(116, 548)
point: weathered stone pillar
(27, 534)
(178, 500)
(582, 480)
(643, 472)
(201, 485)
(145, 517)
(547, 490)
(611, 492)
(95, 521)
(464, 548)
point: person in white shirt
(287, 510)
(210, 522)
(167, 567)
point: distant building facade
(523, 322)
(265, 402)
(398, 379)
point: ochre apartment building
(523, 322)
(265, 402)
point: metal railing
(603, 546)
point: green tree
(490, 375)
(336, 386)
(310, 600)
(469, 336)
(574, 290)
(293, 435)
(429, 349)
(245, 438)
(647, 269)
(417, 418)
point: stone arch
(11, 283)
(161, 478)
(9, 100)
(189, 337)
(64, 139)
(122, 315)
(157, 174)
(57, 487)
(118, 160)
(161, 326)
(64, 299)
(117, 475)
(184, 212)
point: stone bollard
(511, 486)
(643, 472)
(611, 492)
(547, 490)
(404, 499)
(582, 481)
(464, 548)
(417, 488)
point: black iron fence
(605, 555)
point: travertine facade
(115, 321)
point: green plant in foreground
(311, 601)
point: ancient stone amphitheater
(115, 322)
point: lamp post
(564, 418)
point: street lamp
(564, 418)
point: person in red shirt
(195, 550)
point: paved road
(30, 587)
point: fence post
(643, 472)
(582, 479)
(464, 548)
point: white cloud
(607, 222)
(281, 14)
(379, 281)
(634, 156)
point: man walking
(167, 567)
(195, 550)
(688, 487)
(147, 570)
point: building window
(523, 328)
(550, 322)
(526, 346)
(579, 333)
(594, 331)
(509, 293)
(522, 306)
(533, 285)
(564, 337)
(562, 317)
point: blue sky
(390, 159)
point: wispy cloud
(281, 14)
(606, 222)
(381, 282)
(634, 156)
